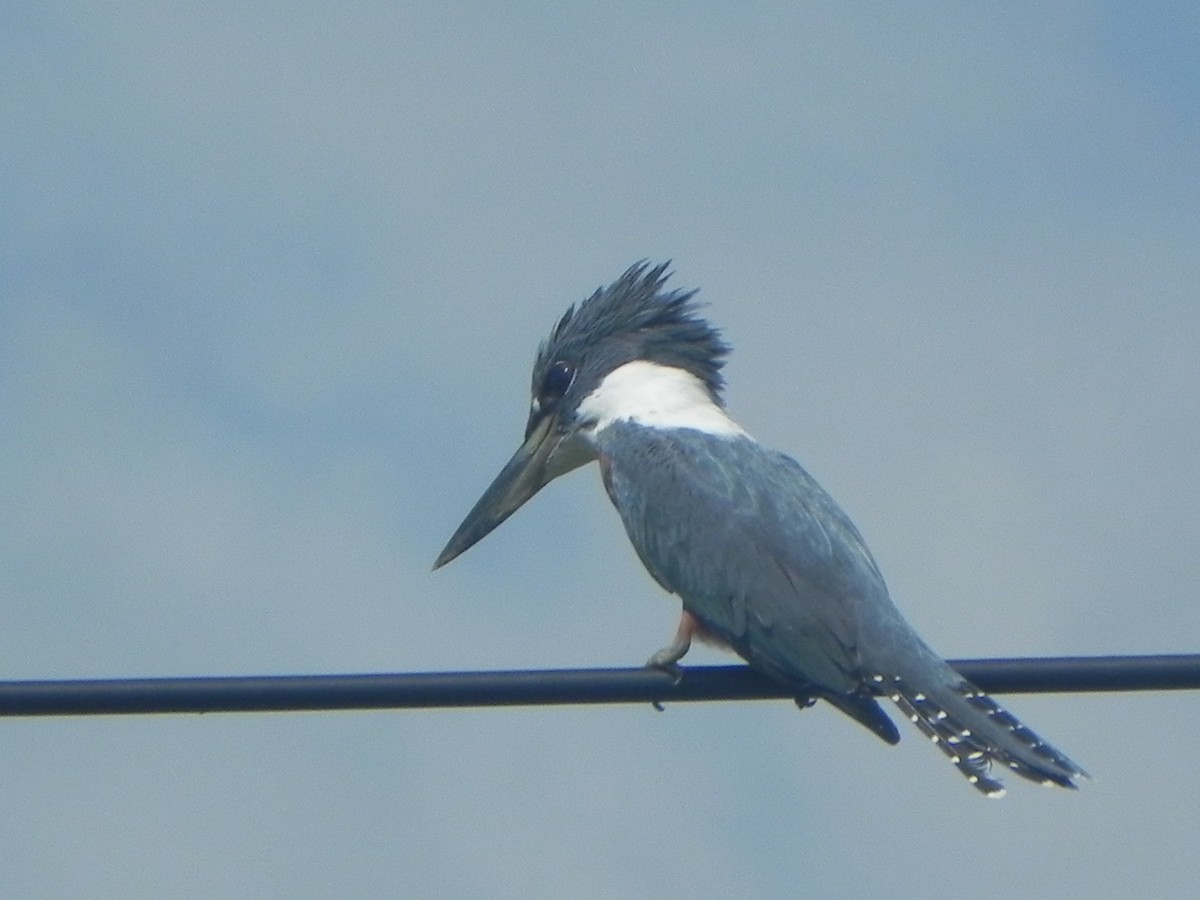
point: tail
(863, 708)
(974, 730)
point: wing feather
(751, 544)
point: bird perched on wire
(764, 560)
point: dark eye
(555, 383)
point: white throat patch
(657, 397)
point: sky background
(271, 282)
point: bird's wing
(753, 546)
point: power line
(424, 690)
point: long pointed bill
(524, 475)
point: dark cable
(273, 693)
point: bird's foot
(665, 661)
(668, 657)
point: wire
(423, 690)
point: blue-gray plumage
(761, 556)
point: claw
(678, 648)
(663, 664)
(667, 659)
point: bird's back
(769, 563)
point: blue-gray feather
(769, 563)
(756, 550)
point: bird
(763, 560)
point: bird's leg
(668, 657)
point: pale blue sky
(271, 281)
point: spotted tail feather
(974, 731)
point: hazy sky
(271, 282)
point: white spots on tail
(971, 757)
(997, 735)
(657, 397)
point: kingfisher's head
(631, 352)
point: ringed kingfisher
(763, 559)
